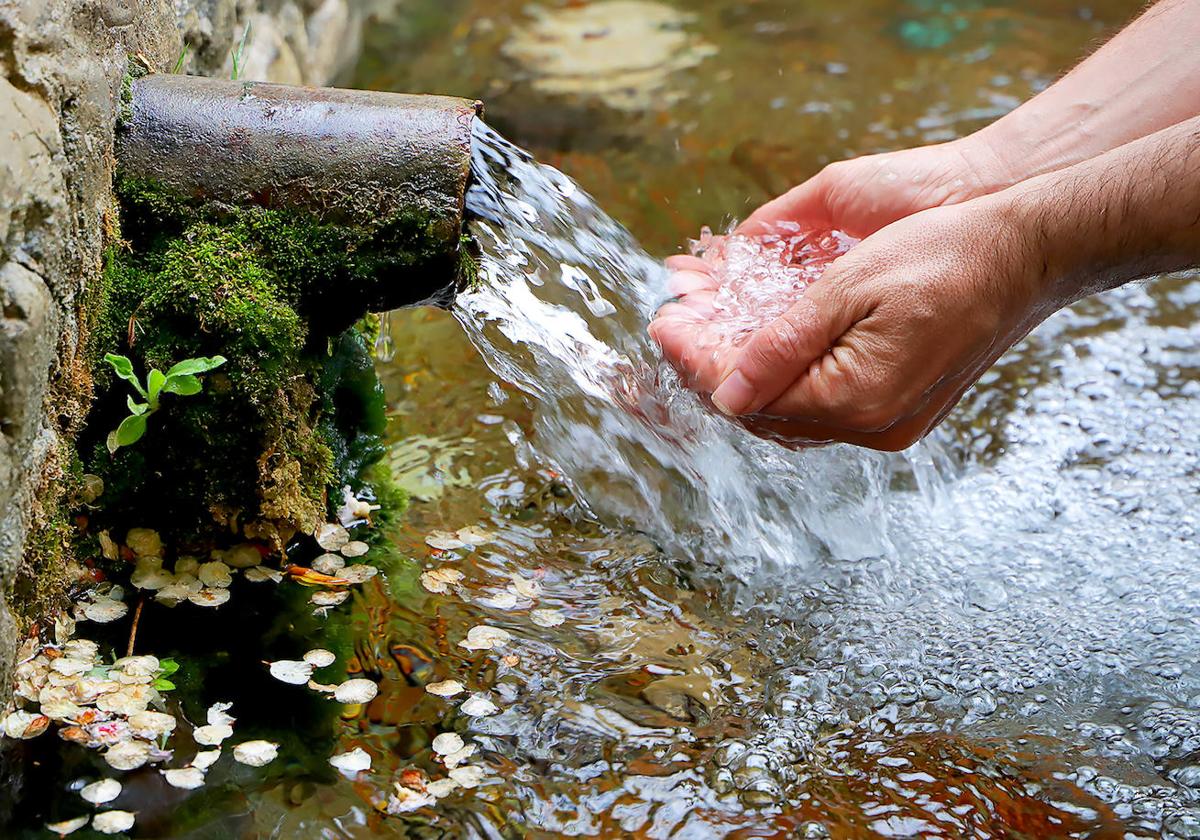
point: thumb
(777, 354)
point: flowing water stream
(993, 635)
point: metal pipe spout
(361, 159)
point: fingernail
(734, 395)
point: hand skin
(1144, 79)
(887, 341)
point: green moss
(295, 411)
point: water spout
(345, 156)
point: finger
(689, 346)
(804, 204)
(684, 282)
(686, 262)
(776, 355)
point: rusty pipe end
(347, 157)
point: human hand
(883, 345)
(863, 194)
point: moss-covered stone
(296, 410)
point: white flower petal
(104, 610)
(407, 799)
(327, 598)
(320, 658)
(62, 829)
(440, 580)
(329, 564)
(25, 724)
(97, 793)
(212, 735)
(485, 637)
(331, 536)
(186, 778)
(447, 742)
(144, 542)
(113, 822)
(444, 541)
(151, 725)
(469, 776)
(525, 587)
(355, 548)
(452, 760)
(242, 556)
(256, 753)
(478, 705)
(356, 691)
(291, 671)
(217, 715)
(546, 617)
(127, 755)
(209, 597)
(441, 788)
(474, 535)
(360, 573)
(499, 600)
(205, 759)
(261, 574)
(353, 762)
(215, 574)
(445, 688)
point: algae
(296, 411)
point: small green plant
(166, 667)
(236, 58)
(181, 379)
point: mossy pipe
(392, 167)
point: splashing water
(759, 277)
(561, 309)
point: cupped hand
(879, 349)
(863, 194)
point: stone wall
(63, 63)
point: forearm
(1145, 79)
(1128, 213)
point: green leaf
(155, 380)
(130, 431)
(167, 667)
(124, 369)
(200, 365)
(136, 407)
(163, 685)
(185, 385)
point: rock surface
(64, 63)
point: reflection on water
(1017, 660)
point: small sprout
(485, 637)
(62, 829)
(478, 705)
(291, 671)
(546, 617)
(97, 793)
(185, 778)
(256, 753)
(331, 536)
(320, 658)
(439, 581)
(447, 742)
(356, 691)
(445, 688)
(181, 379)
(354, 548)
(113, 822)
(353, 762)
